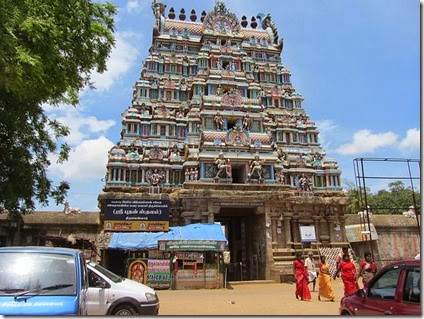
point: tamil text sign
(136, 215)
(191, 245)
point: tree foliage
(396, 200)
(48, 49)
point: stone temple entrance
(244, 243)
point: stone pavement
(261, 298)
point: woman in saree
(348, 273)
(367, 269)
(301, 276)
(325, 287)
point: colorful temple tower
(217, 130)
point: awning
(358, 232)
(147, 240)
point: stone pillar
(167, 176)
(211, 218)
(286, 226)
(316, 220)
(342, 220)
(274, 234)
(295, 229)
(330, 220)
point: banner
(136, 215)
(136, 209)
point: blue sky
(356, 63)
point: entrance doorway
(243, 243)
(238, 174)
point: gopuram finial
(158, 11)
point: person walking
(345, 251)
(310, 268)
(367, 269)
(325, 287)
(349, 276)
(301, 276)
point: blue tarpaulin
(146, 240)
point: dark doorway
(114, 260)
(239, 227)
(238, 174)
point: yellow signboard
(136, 225)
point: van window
(112, 276)
(41, 273)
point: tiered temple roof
(215, 92)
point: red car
(394, 290)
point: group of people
(306, 272)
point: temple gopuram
(216, 132)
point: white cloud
(365, 141)
(81, 125)
(122, 58)
(82, 128)
(87, 160)
(411, 142)
(327, 130)
(134, 5)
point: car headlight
(151, 297)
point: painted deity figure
(256, 168)
(223, 165)
(174, 154)
(279, 176)
(219, 121)
(247, 121)
(155, 178)
(159, 10)
(305, 183)
(195, 174)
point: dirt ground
(259, 299)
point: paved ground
(258, 299)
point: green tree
(396, 200)
(356, 198)
(48, 49)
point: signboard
(136, 215)
(358, 232)
(307, 234)
(191, 245)
(159, 273)
(112, 225)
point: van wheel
(124, 310)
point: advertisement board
(136, 215)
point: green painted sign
(191, 245)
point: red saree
(301, 276)
(348, 274)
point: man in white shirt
(310, 268)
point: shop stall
(185, 257)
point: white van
(110, 294)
